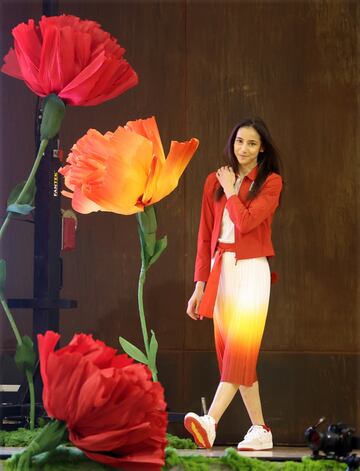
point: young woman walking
(234, 243)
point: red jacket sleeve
(203, 254)
(259, 209)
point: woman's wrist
(229, 192)
(199, 286)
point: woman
(234, 243)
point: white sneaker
(258, 437)
(202, 428)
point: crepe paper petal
(124, 171)
(111, 407)
(46, 345)
(179, 156)
(11, 65)
(72, 58)
(149, 129)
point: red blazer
(252, 221)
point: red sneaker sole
(198, 432)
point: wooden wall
(202, 66)
(17, 152)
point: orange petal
(175, 164)
(148, 128)
(82, 204)
(151, 183)
(125, 176)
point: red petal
(111, 440)
(77, 91)
(11, 66)
(46, 345)
(66, 375)
(119, 361)
(122, 78)
(28, 51)
(93, 350)
(50, 67)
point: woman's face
(247, 146)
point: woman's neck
(244, 170)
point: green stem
(30, 380)
(4, 224)
(42, 148)
(142, 317)
(141, 309)
(51, 436)
(154, 376)
(29, 376)
(10, 318)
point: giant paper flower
(125, 170)
(114, 412)
(72, 58)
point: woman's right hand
(194, 301)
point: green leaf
(152, 352)
(23, 209)
(53, 114)
(27, 198)
(149, 243)
(133, 351)
(25, 357)
(160, 246)
(2, 274)
(147, 220)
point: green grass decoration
(180, 443)
(20, 437)
(70, 458)
(231, 460)
(62, 459)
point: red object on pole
(69, 225)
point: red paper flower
(73, 58)
(113, 410)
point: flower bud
(53, 114)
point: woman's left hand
(226, 178)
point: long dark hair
(269, 160)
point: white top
(227, 233)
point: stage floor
(278, 453)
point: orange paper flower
(125, 170)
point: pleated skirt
(239, 317)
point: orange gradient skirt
(239, 317)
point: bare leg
(251, 398)
(223, 396)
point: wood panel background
(202, 66)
